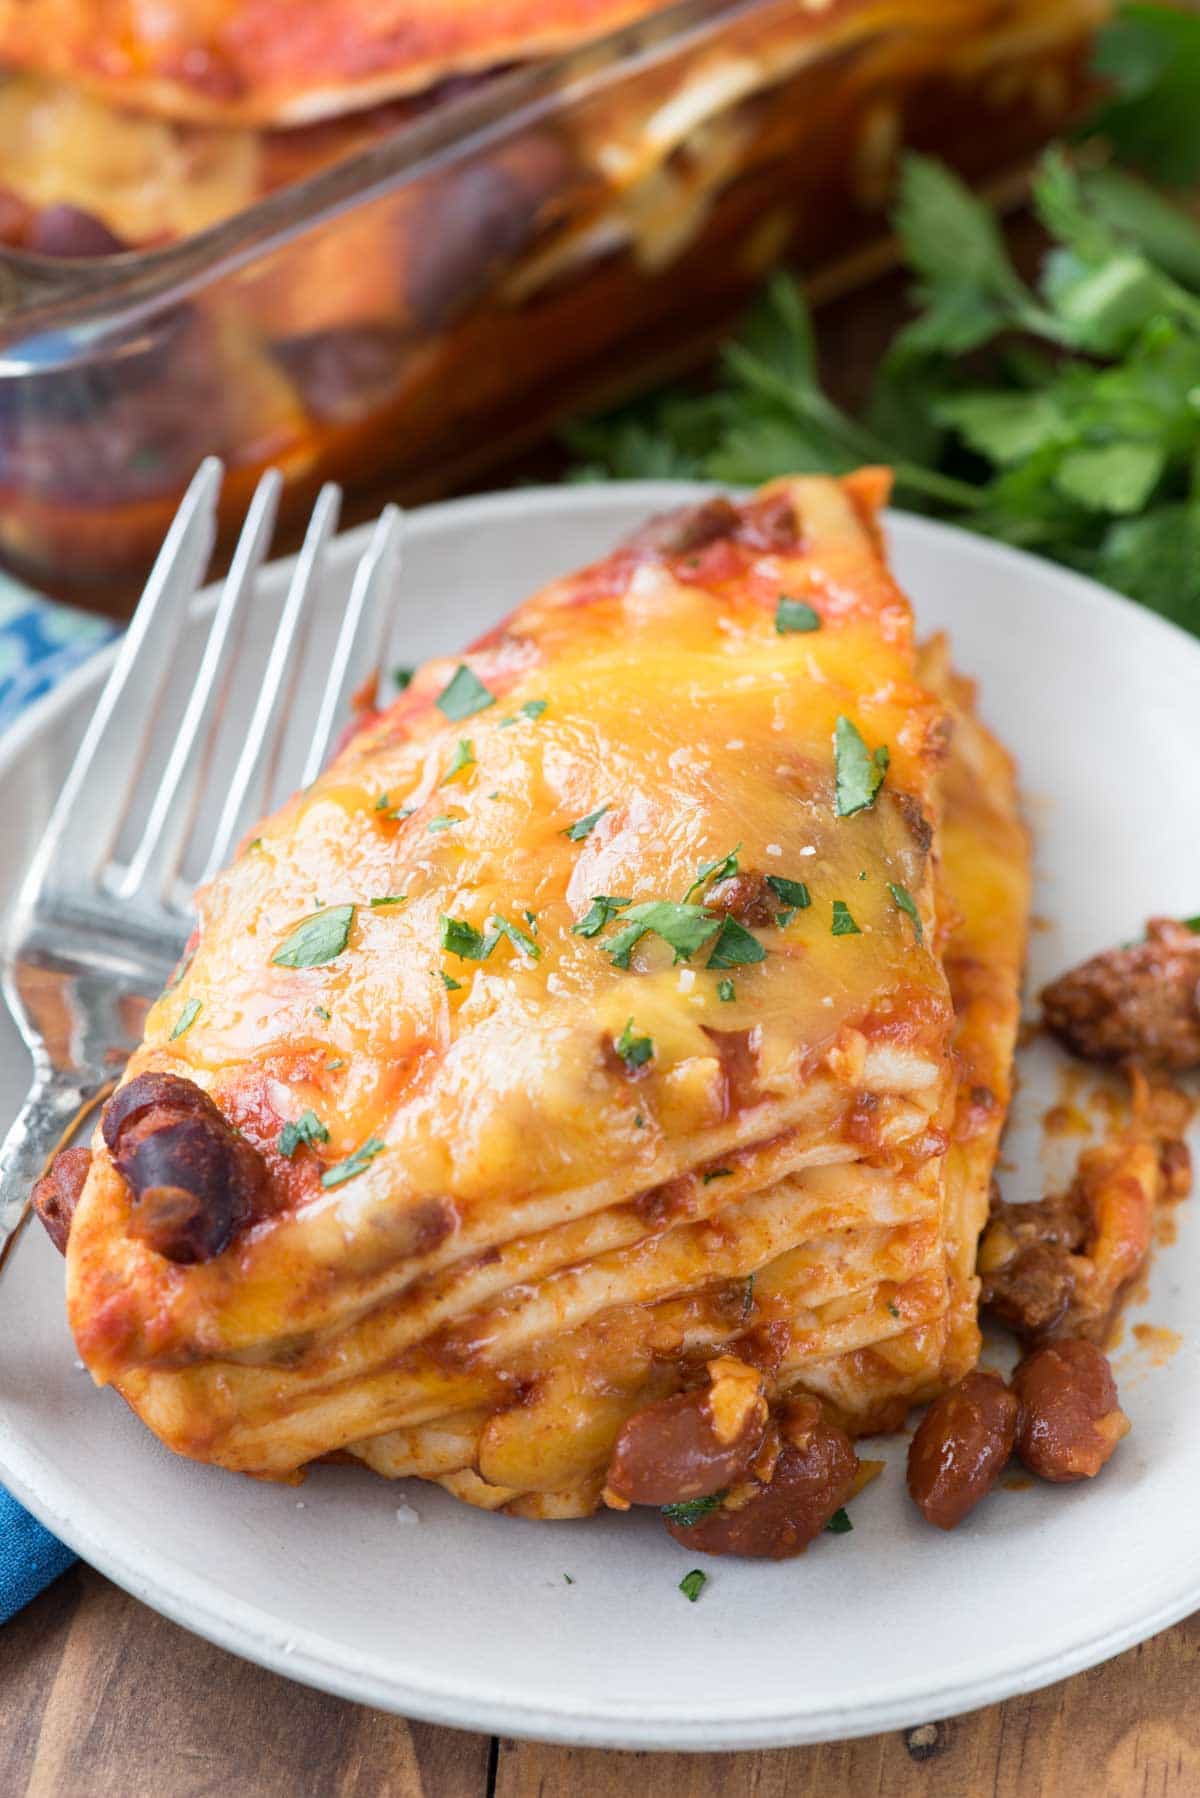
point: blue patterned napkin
(40, 642)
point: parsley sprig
(1074, 427)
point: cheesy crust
(559, 1174)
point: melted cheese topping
(525, 1182)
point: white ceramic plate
(467, 1619)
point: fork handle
(50, 1111)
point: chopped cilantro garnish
(839, 1523)
(792, 892)
(639, 1121)
(690, 1510)
(568, 1579)
(735, 946)
(685, 927)
(604, 907)
(1192, 924)
(530, 920)
(256, 844)
(383, 802)
(718, 1173)
(894, 1309)
(186, 1019)
(635, 1051)
(516, 936)
(584, 827)
(464, 940)
(307, 1128)
(726, 991)
(463, 757)
(317, 940)
(321, 1013)
(843, 924)
(353, 1164)
(720, 869)
(446, 821)
(450, 983)
(860, 771)
(181, 969)
(795, 615)
(532, 709)
(692, 1584)
(402, 677)
(907, 904)
(389, 899)
(463, 696)
(331, 1067)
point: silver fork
(105, 909)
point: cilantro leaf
(186, 1019)
(635, 1051)
(1151, 56)
(388, 899)
(317, 940)
(692, 1584)
(517, 937)
(721, 868)
(843, 924)
(839, 1524)
(735, 946)
(726, 991)
(1113, 477)
(690, 1510)
(1155, 559)
(603, 908)
(860, 771)
(907, 904)
(402, 677)
(463, 696)
(795, 615)
(448, 981)
(462, 939)
(446, 821)
(685, 927)
(583, 827)
(353, 1164)
(792, 892)
(307, 1128)
(463, 757)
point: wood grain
(101, 1698)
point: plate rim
(238, 1626)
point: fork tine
(85, 820)
(166, 825)
(254, 766)
(359, 648)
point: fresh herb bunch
(1063, 417)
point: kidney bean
(693, 1444)
(57, 1193)
(63, 230)
(960, 1446)
(813, 1474)
(1071, 1418)
(473, 222)
(195, 1181)
(745, 896)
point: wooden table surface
(101, 1698)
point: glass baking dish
(411, 313)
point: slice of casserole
(634, 997)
